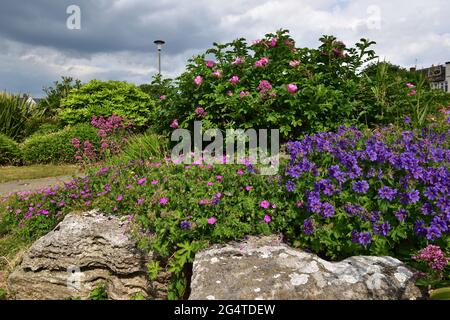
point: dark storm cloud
(108, 26)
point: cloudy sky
(115, 40)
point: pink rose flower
(210, 63)
(294, 63)
(262, 62)
(198, 80)
(264, 85)
(273, 42)
(217, 74)
(292, 88)
(200, 112)
(238, 60)
(174, 124)
(234, 80)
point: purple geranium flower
(361, 186)
(401, 215)
(387, 193)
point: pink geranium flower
(163, 201)
(212, 220)
(267, 218)
(142, 181)
(265, 204)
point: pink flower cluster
(110, 124)
(433, 256)
(264, 86)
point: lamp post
(159, 44)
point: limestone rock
(83, 251)
(266, 268)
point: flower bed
(341, 194)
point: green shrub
(98, 98)
(46, 128)
(9, 151)
(50, 105)
(274, 84)
(15, 114)
(57, 147)
(142, 147)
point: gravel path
(32, 184)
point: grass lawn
(9, 173)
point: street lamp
(159, 44)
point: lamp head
(159, 44)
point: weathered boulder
(82, 252)
(266, 268)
